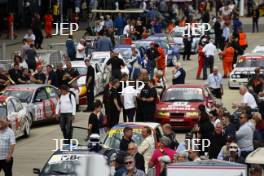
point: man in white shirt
(66, 110)
(129, 95)
(147, 146)
(128, 29)
(209, 51)
(247, 100)
(215, 83)
(80, 54)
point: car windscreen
(250, 63)
(177, 33)
(114, 138)
(76, 165)
(183, 94)
(125, 52)
(23, 96)
(82, 70)
(3, 111)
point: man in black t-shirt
(39, 77)
(60, 73)
(126, 139)
(90, 77)
(116, 64)
(52, 76)
(94, 123)
(25, 77)
(70, 74)
(15, 73)
(148, 97)
(115, 104)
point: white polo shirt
(129, 94)
(214, 81)
(249, 100)
(209, 49)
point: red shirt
(157, 153)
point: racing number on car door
(41, 102)
(53, 98)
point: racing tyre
(27, 128)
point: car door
(98, 78)
(12, 115)
(40, 102)
(21, 115)
(53, 96)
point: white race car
(258, 49)
(245, 69)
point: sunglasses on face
(128, 162)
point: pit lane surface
(34, 151)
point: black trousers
(255, 25)
(129, 113)
(208, 63)
(66, 126)
(114, 117)
(187, 53)
(90, 98)
(217, 93)
(6, 167)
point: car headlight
(238, 76)
(164, 113)
(192, 114)
(233, 76)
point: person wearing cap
(90, 82)
(163, 150)
(233, 155)
(39, 77)
(80, 50)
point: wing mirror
(36, 171)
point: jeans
(129, 113)
(6, 167)
(208, 63)
(66, 125)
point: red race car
(179, 105)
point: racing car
(12, 110)
(40, 100)
(179, 105)
(245, 69)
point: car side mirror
(36, 171)
(38, 100)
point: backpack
(70, 97)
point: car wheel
(27, 128)
(31, 118)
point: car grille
(177, 115)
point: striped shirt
(7, 138)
